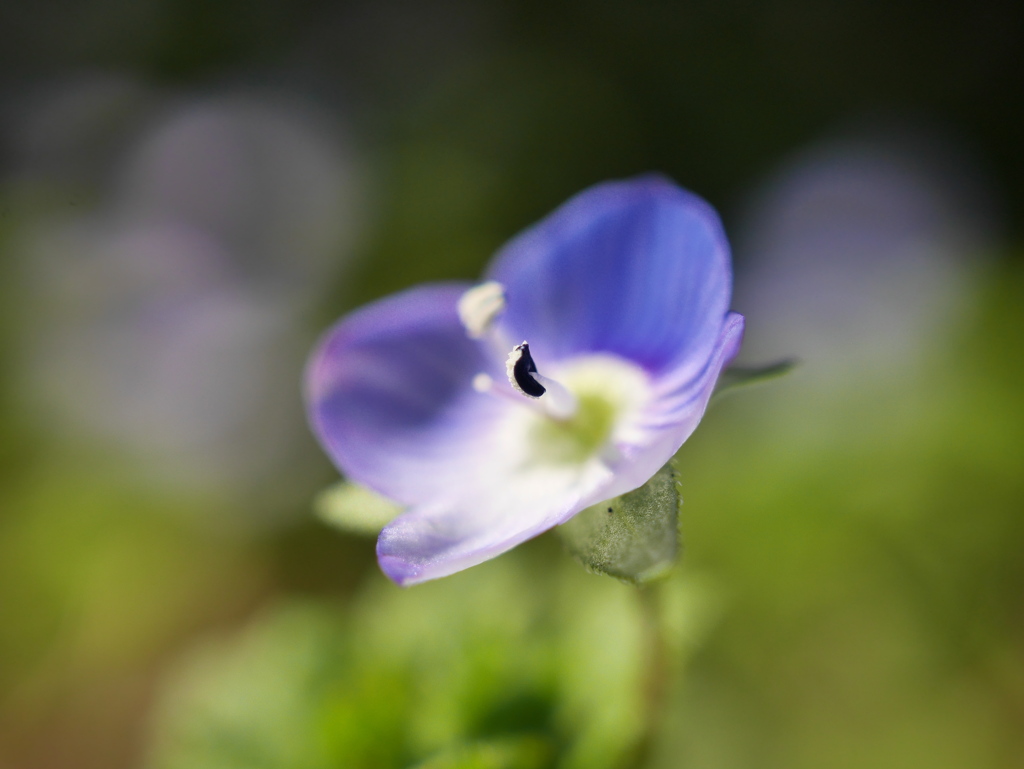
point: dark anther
(521, 370)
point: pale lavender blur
(170, 302)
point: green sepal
(735, 377)
(634, 537)
(354, 508)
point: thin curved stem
(657, 675)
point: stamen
(480, 306)
(483, 383)
(522, 372)
(520, 369)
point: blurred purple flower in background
(171, 309)
(860, 253)
(427, 397)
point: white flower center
(611, 394)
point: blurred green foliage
(870, 541)
(525, 662)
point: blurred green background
(191, 191)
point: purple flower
(493, 413)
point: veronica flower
(571, 375)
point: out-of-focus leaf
(548, 677)
(251, 700)
(355, 509)
(526, 752)
(635, 536)
(735, 377)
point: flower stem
(657, 674)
